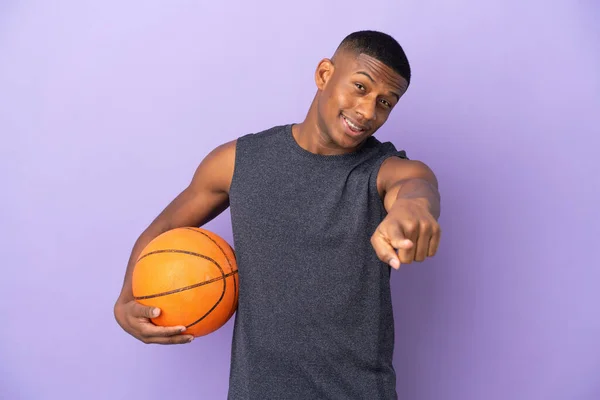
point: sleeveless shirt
(314, 318)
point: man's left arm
(410, 231)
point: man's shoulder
(267, 133)
(386, 149)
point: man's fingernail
(395, 263)
(182, 329)
(155, 312)
(190, 340)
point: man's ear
(323, 73)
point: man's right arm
(206, 197)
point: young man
(320, 212)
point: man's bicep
(215, 172)
(207, 195)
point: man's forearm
(420, 190)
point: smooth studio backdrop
(106, 109)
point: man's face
(357, 94)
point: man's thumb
(146, 311)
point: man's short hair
(380, 46)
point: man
(320, 212)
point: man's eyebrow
(396, 95)
(367, 75)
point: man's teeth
(354, 127)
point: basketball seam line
(235, 285)
(191, 253)
(183, 289)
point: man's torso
(314, 319)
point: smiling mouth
(354, 127)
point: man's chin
(348, 142)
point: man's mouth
(354, 127)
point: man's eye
(359, 86)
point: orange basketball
(191, 275)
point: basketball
(191, 275)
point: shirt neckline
(322, 157)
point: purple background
(107, 108)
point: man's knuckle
(132, 322)
(410, 226)
(397, 243)
(145, 332)
(426, 226)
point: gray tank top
(314, 319)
